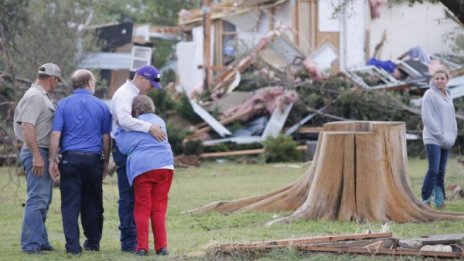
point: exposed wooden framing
(213, 67)
(218, 43)
(270, 16)
(295, 22)
(240, 152)
(167, 29)
(207, 42)
(225, 8)
(304, 26)
(367, 45)
(314, 23)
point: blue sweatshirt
(144, 152)
(439, 118)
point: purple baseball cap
(151, 73)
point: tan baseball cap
(51, 69)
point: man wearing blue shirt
(81, 128)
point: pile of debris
(260, 72)
(264, 112)
(373, 244)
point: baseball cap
(151, 73)
(51, 69)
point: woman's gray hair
(142, 104)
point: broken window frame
(388, 79)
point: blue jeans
(39, 196)
(128, 236)
(434, 181)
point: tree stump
(359, 172)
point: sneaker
(88, 247)
(68, 253)
(47, 248)
(427, 203)
(33, 252)
(162, 252)
(141, 252)
(130, 250)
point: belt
(25, 147)
(81, 153)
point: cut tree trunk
(359, 172)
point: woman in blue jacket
(150, 169)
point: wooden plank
(381, 251)
(369, 243)
(231, 153)
(303, 130)
(218, 44)
(240, 152)
(270, 17)
(302, 241)
(295, 6)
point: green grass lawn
(190, 236)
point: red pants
(151, 201)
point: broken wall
(250, 26)
(261, 21)
(189, 57)
(408, 26)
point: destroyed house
(319, 34)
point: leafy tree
(36, 32)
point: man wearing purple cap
(146, 78)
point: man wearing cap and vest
(81, 129)
(32, 125)
(145, 78)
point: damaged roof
(226, 8)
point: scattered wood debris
(240, 152)
(435, 246)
